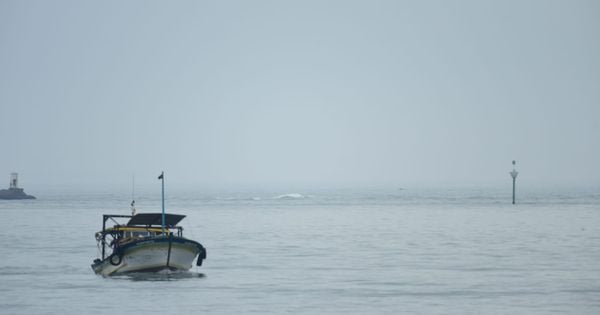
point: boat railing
(119, 231)
(123, 234)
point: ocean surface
(370, 251)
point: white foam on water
(290, 196)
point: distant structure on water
(514, 174)
(14, 192)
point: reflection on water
(164, 275)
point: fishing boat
(147, 242)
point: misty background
(299, 93)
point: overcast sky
(315, 93)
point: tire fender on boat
(115, 261)
(201, 255)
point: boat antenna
(162, 178)
(132, 194)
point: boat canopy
(149, 219)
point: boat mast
(133, 194)
(162, 178)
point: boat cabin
(139, 226)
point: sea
(391, 250)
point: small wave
(290, 196)
(238, 198)
(14, 270)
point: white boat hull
(151, 255)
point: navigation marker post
(514, 174)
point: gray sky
(324, 93)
